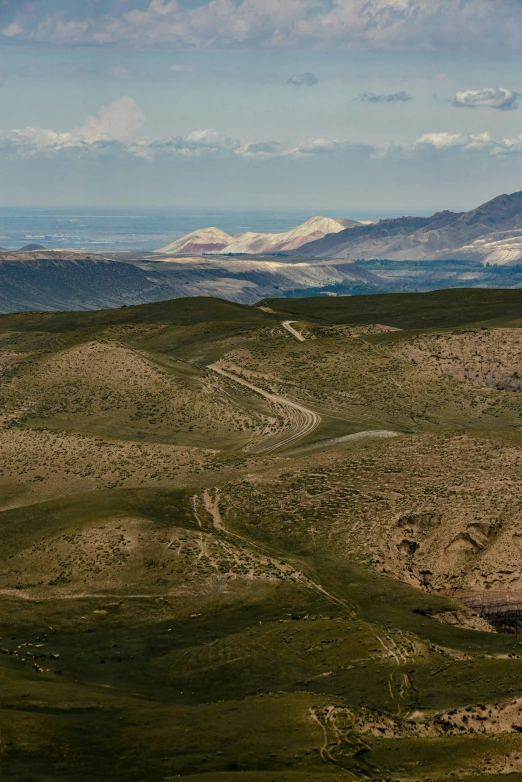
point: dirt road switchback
(300, 421)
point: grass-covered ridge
(434, 309)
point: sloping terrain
(54, 282)
(105, 388)
(491, 233)
(312, 230)
(239, 543)
(433, 310)
(248, 280)
(485, 357)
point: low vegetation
(229, 554)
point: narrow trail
(325, 717)
(301, 420)
(402, 685)
(398, 681)
(211, 505)
(287, 324)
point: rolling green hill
(234, 547)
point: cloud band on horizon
(388, 24)
(113, 129)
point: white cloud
(393, 97)
(110, 132)
(114, 122)
(206, 141)
(479, 142)
(303, 79)
(13, 30)
(411, 24)
(440, 140)
(489, 97)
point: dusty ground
(485, 357)
(388, 503)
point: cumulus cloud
(393, 97)
(412, 24)
(303, 79)
(114, 122)
(472, 142)
(490, 97)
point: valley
(257, 542)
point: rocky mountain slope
(213, 240)
(491, 233)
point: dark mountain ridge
(87, 284)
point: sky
(352, 106)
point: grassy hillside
(230, 550)
(435, 309)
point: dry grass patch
(438, 511)
(485, 357)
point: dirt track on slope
(301, 421)
(287, 324)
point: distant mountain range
(214, 240)
(491, 233)
(316, 258)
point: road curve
(287, 324)
(301, 420)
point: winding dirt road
(301, 421)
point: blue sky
(351, 105)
